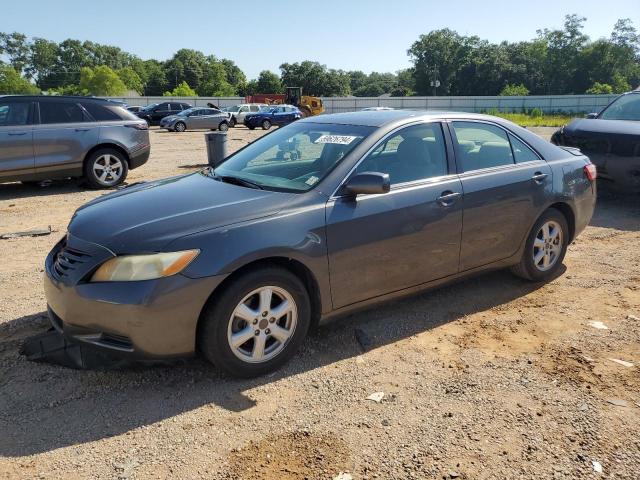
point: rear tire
(545, 248)
(245, 307)
(266, 124)
(105, 168)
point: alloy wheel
(262, 324)
(547, 246)
(107, 169)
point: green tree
(131, 79)
(268, 82)
(440, 55)
(600, 89)
(315, 79)
(182, 90)
(101, 81)
(11, 82)
(370, 90)
(16, 48)
(511, 90)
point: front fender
(297, 234)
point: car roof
(379, 118)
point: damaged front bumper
(151, 319)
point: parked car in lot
(50, 137)
(238, 261)
(611, 139)
(195, 118)
(274, 115)
(376, 109)
(134, 108)
(237, 113)
(157, 111)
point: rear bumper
(139, 157)
(147, 319)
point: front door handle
(448, 198)
(538, 177)
(17, 133)
(82, 129)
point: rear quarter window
(103, 113)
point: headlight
(129, 268)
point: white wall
(547, 103)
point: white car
(238, 112)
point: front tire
(179, 127)
(545, 248)
(106, 168)
(232, 122)
(256, 323)
(266, 124)
(223, 127)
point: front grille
(68, 260)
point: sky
(367, 35)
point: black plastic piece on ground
(53, 347)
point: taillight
(591, 172)
(138, 126)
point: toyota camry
(324, 216)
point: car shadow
(615, 209)
(44, 407)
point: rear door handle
(82, 129)
(17, 133)
(538, 177)
(448, 198)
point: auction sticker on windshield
(337, 139)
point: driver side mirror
(368, 183)
(592, 115)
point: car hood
(588, 126)
(147, 216)
(170, 118)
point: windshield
(149, 107)
(235, 108)
(626, 107)
(294, 158)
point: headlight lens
(129, 268)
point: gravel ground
(492, 377)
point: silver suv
(238, 112)
(54, 137)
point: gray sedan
(196, 118)
(319, 218)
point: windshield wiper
(235, 180)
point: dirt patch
(290, 456)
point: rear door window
(61, 112)
(14, 113)
(481, 145)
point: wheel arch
(102, 146)
(296, 267)
(569, 215)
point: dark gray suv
(58, 137)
